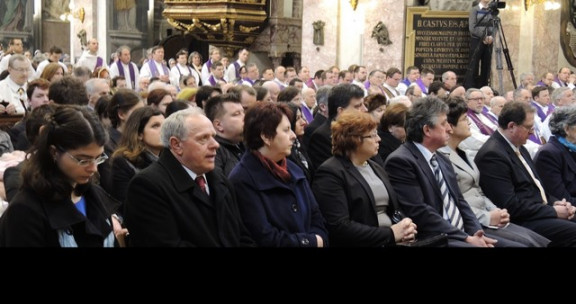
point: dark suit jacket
(277, 214)
(123, 171)
(419, 194)
(165, 207)
(320, 146)
(319, 119)
(556, 166)
(34, 221)
(507, 183)
(12, 181)
(348, 205)
(228, 155)
(388, 144)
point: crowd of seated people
(215, 154)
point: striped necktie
(451, 212)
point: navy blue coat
(557, 169)
(275, 213)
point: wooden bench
(8, 121)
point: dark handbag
(440, 240)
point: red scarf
(278, 170)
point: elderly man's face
(198, 151)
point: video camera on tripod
(495, 5)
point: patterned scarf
(278, 170)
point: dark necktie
(201, 181)
(452, 214)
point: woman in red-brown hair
(354, 194)
(274, 197)
(52, 72)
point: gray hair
(424, 112)
(524, 75)
(175, 125)
(322, 94)
(561, 118)
(91, 84)
(558, 94)
(16, 57)
(122, 48)
(495, 99)
(472, 90)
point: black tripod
(502, 46)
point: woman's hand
(119, 232)
(404, 231)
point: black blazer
(33, 221)
(507, 183)
(388, 144)
(556, 166)
(228, 155)
(320, 146)
(348, 205)
(419, 194)
(319, 119)
(123, 171)
(165, 207)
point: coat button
(294, 208)
(305, 242)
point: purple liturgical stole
(154, 70)
(483, 128)
(130, 68)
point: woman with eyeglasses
(354, 193)
(57, 205)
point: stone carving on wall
(53, 9)
(318, 32)
(380, 32)
(16, 15)
(568, 30)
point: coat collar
(554, 141)
(349, 167)
(63, 214)
(512, 155)
(264, 179)
(457, 161)
(423, 164)
(184, 183)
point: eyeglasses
(477, 98)
(87, 162)
(21, 70)
(529, 129)
(372, 135)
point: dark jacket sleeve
(254, 210)
(330, 189)
(12, 181)
(555, 174)
(149, 217)
(320, 148)
(121, 175)
(414, 202)
(22, 225)
(496, 180)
